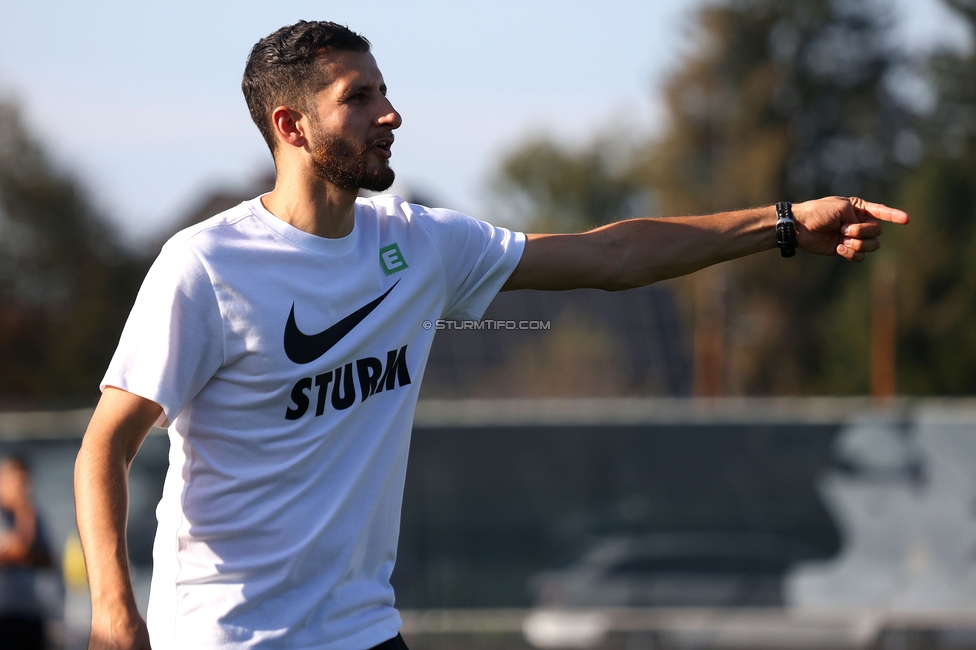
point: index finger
(866, 209)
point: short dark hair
(281, 68)
(18, 462)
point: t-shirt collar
(303, 239)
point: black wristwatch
(785, 229)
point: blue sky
(142, 100)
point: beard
(341, 162)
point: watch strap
(785, 229)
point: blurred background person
(24, 551)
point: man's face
(351, 126)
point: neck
(312, 205)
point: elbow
(624, 276)
(613, 272)
(623, 266)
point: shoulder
(189, 253)
(391, 209)
(225, 238)
(209, 231)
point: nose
(391, 118)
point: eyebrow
(352, 90)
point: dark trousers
(24, 633)
(396, 643)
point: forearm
(118, 427)
(101, 503)
(644, 251)
(639, 252)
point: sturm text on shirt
(373, 377)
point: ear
(289, 126)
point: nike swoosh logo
(305, 348)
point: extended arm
(638, 252)
(117, 429)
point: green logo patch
(391, 259)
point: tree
(66, 284)
(562, 190)
(937, 261)
(786, 100)
(779, 100)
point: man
(283, 343)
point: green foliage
(936, 255)
(786, 100)
(796, 100)
(779, 100)
(65, 284)
(558, 190)
(782, 99)
(845, 329)
(937, 278)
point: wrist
(120, 628)
(115, 604)
(786, 229)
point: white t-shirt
(289, 367)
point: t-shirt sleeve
(478, 258)
(172, 343)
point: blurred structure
(697, 524)
(903, 498)
(643, 523)
(502, 493)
